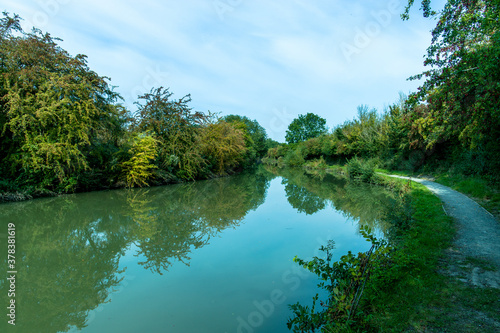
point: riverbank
(483, 191)
(10, 192)
(426, 288)
(468, 297)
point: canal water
(209, 256)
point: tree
(426, 8)
(305, 127)
(176, 128)
(257, 134)
(224, 146)
(53, 109)
(138, 168)
(462, 86)
(361, 136)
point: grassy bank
(483, 190)
(425, 299)
(410, 288)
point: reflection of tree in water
(365, 203)
(186, 216)
(68, 248)
(303, 200)
(67, 261)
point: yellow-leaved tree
(223, 145)
(139, 167)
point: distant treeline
(401, 138)
(62, 128)
(451, 122)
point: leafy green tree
(426, 8)
(257, 134)
(53, 109)
(270, 143)
(176, 128)
(224, 146)
(362, 136)
(462, 86)
(305, 127)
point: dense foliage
(56, 114)
(62, 128)
(255, 135)
(305, 127)
(462, 87)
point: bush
(345, 282)
(328, 145)
(294, 158)
(223, 145)
(311, 148)
(360, 170)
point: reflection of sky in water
(235, 281)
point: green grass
(407, 303)
(484, 191)
(422, 299)
(481, 263)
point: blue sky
(267, 60)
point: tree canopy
(54, 110)
(305, 127)
(462, 84)
(256, 134)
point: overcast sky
(268, 60)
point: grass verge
(410, 299)
(422, 297)
(416, 295)
(484, 191)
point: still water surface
(211, 256)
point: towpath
(477, 239)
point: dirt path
(475, 256)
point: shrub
(311, 148)
(360, 170)
(345, 281)
(294, 158)
(223, 145)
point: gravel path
(478, 233)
